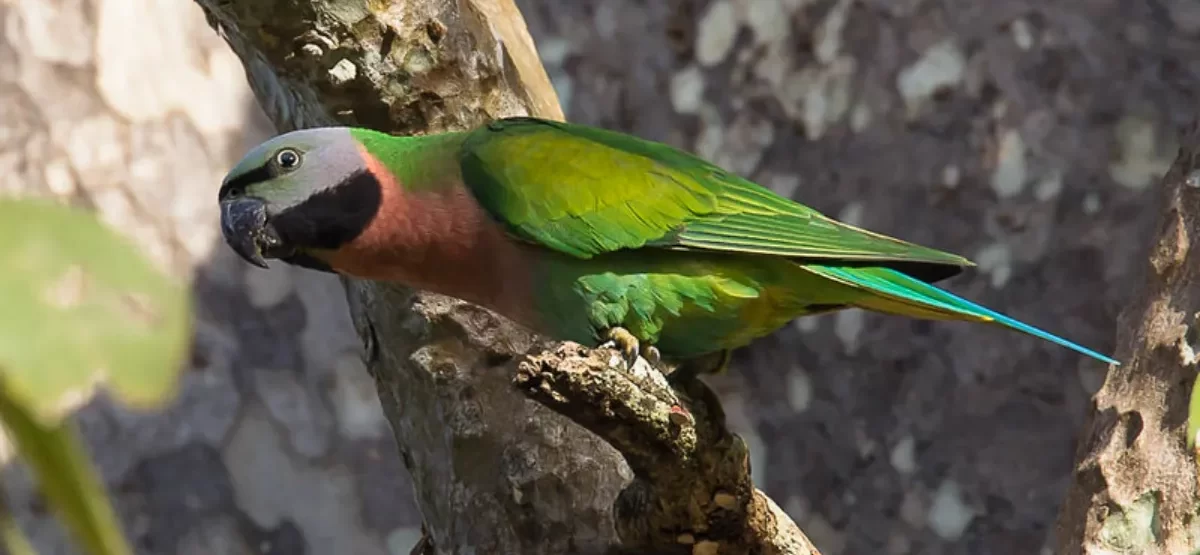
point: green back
(586, 191)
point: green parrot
(578, 233)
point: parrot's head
(297, 196)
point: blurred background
(1028, 136)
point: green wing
(585, 191)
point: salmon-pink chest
(440, 240)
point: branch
(1134, 488)
(692, 484)
(493, 471)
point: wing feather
(586, 191)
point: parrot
(578, 233)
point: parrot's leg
(725, 356)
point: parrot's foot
(723, 360)
(620, 339)
(692, 369)
(624, 341)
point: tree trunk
(495, 472)
(1134, 489)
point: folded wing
(586, 191)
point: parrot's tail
(897, 293)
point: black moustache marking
(333, 217)
(260, 174)
(307, 261)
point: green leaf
(67, 478)
(83, 308)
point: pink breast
(440, 240)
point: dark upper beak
(246, 230)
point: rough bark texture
(1026, 135)
(491, 470)
(1135, 488)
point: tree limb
(692, 485)
(494, 472)
(1134, 487)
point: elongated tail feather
(897, 293)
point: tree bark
(1134, 488)
(493, 471)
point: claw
(629, 345)
(653, 356)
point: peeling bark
(1134, 487)
(493, 471)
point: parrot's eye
(287, 159)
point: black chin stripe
(260, 174)
(333, 217)
(307, 261)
